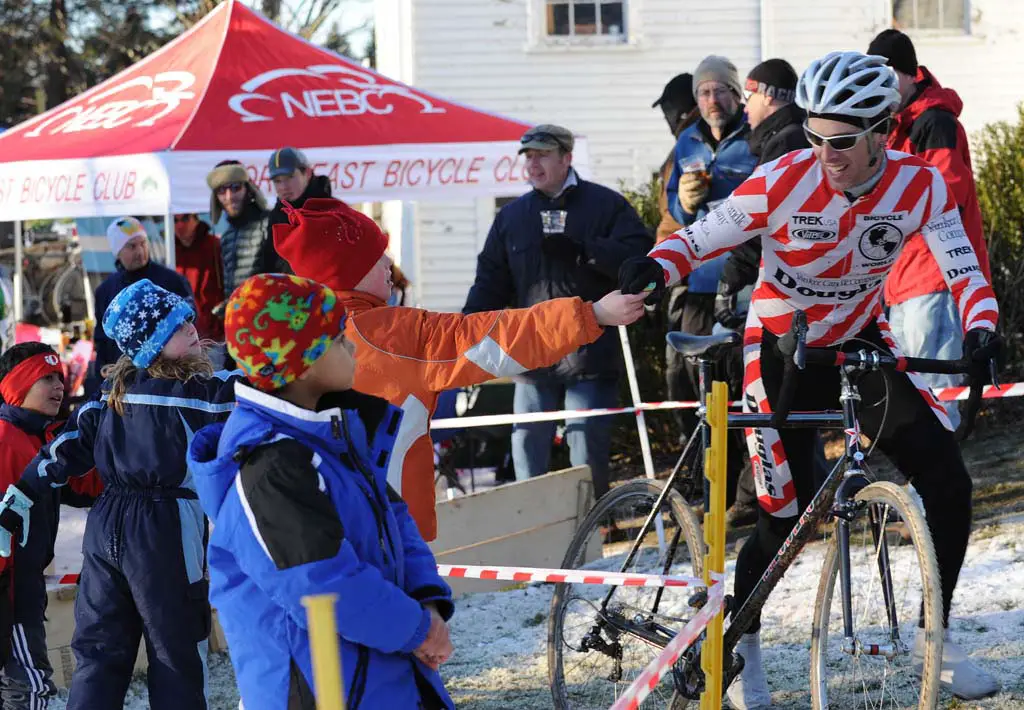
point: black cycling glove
(639, 273)
(980, 347)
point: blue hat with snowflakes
(143, 317)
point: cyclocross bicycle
(876, 588)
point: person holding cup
(712, 157)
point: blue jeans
(589, 439)
(929, 326)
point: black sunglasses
(544, 136)
(232, 186)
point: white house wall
(485, 53)
(984, 66)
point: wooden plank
(542, 546)
(526, 524)
(509, 508)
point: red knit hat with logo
(328, 241)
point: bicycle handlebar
(875, 360)
(793, 347)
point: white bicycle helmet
(848, 84)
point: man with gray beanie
(712, 157)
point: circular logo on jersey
(51, 360)
(880, 241)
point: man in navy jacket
(566, 237)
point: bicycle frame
(794, 420)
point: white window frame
(539, 39)
(964, 30)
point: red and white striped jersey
(829, 257)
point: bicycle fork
(844, 510)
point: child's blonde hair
(122, 376)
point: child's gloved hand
(14, 517)
(437, 647)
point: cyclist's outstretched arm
(742, 216)
(947, 239)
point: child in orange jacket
(408, 356)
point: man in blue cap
(294, 182)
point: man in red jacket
(922, 311)
(197, 258)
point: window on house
(500, 202)
(586, 18)
(942, 15)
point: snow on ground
(501, 638)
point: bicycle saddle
(698, 345)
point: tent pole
(19, 274)
(169, 239)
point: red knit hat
(330, 242)
(277, 326)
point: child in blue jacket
(295, 483)
(143, 573)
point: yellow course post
(326, 656)
(714, 539)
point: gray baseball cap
(285, 161)
(547, 136)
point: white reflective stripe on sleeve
(415, 423)
(249, 516)
(488, 356)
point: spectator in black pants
(566, 237)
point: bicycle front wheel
(600, 639)
(896, 596)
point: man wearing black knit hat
(777, 123)
(922, 313)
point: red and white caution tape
(945, 394)
(523, 574)
(60, 579)
(570, 576)
(949, 394)
(534, 417)
(650, 677)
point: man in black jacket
(778, 128)
(567, 237)
(777, 124)
(294, 183)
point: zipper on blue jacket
(378, 506)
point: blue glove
(14, 518)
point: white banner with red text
(153, 184)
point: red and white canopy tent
(237, 86)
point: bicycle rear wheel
(875, 669)
(594, 656)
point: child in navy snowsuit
(295, 484)
(143, 574)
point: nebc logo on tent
(363, 93)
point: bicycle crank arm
(855, 648)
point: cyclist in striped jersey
(832, 220)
